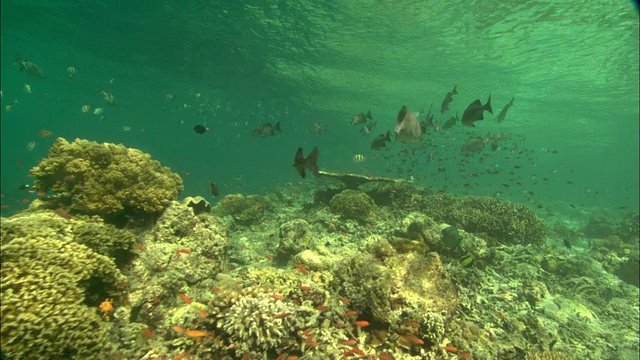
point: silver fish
(361, 118)
(503, 113)
(407, 127)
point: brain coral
(50, 284)
(104, 179)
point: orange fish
(292, 358)
(282, 356)
(302, 269)
(385, 356)
(178, 329)
(305, 288)
(4, 206)
(308, 338)
(185, 298)
(351, 313)
(41, 193)
(358, 351)
(349, 342)
(465, 355)
(160, 268)
(277, 296)
(345, 301)
(362, 323)
(414, 339)
(215, 289)
(269, 257)
(306, 332)
(203, 314)
(339, 325)
(147, 332)
(140, 247)
(177, 253)
(413, 324)
(180, 356)
(185, 251)
(450, 348)
(196, 333)
(322, 308)
(282, 316)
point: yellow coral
(106, 307)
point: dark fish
(310, 162)
(28, 67)
(214, 188)
(366, 129)
(267, 129)
(429, 119)
(503, 113)
(381, 140)
(361, 118)
(23, 187)
(474, 111)
(200, 129)
(407, 127)
(448, 99)
(450, 123)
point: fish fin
(312, 161)
(301, 171)
(276, 127)
(487, 106)
(369, 115)
(401, 115)
(455, 90)
(299, 159)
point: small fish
(448, 99)
(464, 355)
(178, 329)
(345, 301)
(361, 118)
(278, 296)
(185, 298)
(310, 162)
(267, 129)
(450, 348)
(428, 121)
(368, 127)
(474, 111)
(322, 308)
(85, 108)
(27, 88)
(98, 111)
(196, 333)
(214, 188)
(414, 339)
(28, 67)
(181, 355)
(31, 145)
(302, 269)
(305, 288)
(108, 97)
(358, 158)
(407, 126)
(349, 342)
(71, 70)
(317, 128)
(503, 113)
(283, 315)
(351, 313)
(450, 123)
(200, 129)
(24, 187)
(125, 128)
(361, 323)
(148, 333)
(381, 140)
(385, 356)
(44, 133)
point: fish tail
(312, 161)
(487, 106)
(369, 115)
(511, 102)
(277, 127)
(455, 90)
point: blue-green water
(572, 68)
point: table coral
(106, 179)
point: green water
(572, 68)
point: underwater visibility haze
(319, 180)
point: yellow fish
(98, 111)
(27, 88)
(85, 108)
(358, 158)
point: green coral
(106, 179)
(245, 210)
(51, 287)
(355, 205)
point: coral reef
(245, 210)
(106, 179)
(51, 287)
(354, 205)
(295, 236)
